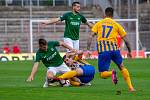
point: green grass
(14, 87)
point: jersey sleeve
(84, 20)
(64, 17)
(94, 28)
(121, 30)
(38, 57)
(54, 43)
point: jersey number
(104, 34)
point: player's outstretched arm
(51, 21)
(127, 45)
(33, 72)
(90, 25)
(67, 46)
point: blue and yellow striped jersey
(107, 31)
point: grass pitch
(13, 85)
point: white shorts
(58, 70)
(72, 43)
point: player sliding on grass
(51, 58)
(107, 31)
(81, 73)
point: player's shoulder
(68, 13)
(99, 22)
(80, 14)
(38, 52)
(52, 42)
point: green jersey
(72, 24)
(51, 57)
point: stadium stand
(14, 31)
(18, 23)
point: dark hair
(74, 3)
(42, 42)
(109, 12)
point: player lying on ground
(107, 31)
(51, 58)
(81, 73)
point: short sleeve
(63, 17)
(38, 57)
(53, 43)
(122, 31)
(94, 28)
(84, 20)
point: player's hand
(129, 55)
(30, 78)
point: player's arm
(61, 43)
(123, 35)
(33, 72)
(51, 21)
(90, 39)
(90, 25)
(127, 45)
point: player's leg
(103, 64)
(76, 44)
(66, 72)
(69, 42)
(51, 72)
(71, 74)
(117, 58)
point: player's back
(107, 31)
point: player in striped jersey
(82, 72)
(107, 31)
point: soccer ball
(65, 83)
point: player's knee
(121, 66)
(50, 75)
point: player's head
(68, 61)
(76, 7)
(109, 12)
(43, 44)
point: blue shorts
(88, 73)
(104, 59)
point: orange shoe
(132, 90)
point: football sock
(68, 75)
(74, 83)
(105, 74)
(126, 77)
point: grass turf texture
(14, 87)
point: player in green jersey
(73, 19)
(51, 58)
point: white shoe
(54, 84)
(45, 85)
(88, 84)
